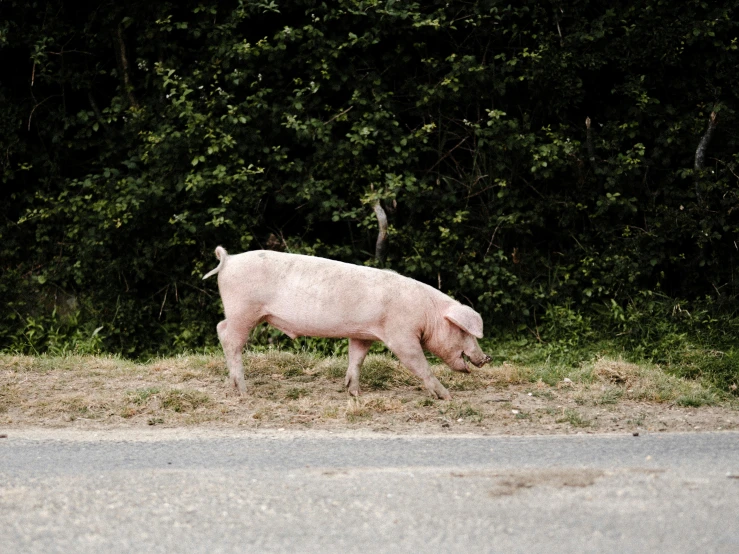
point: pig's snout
(481, 361)
(475, 359)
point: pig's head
(455, 338)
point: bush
(538, 164)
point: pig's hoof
(352, 387)
(239, 386)
(439, 391)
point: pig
(317, 297)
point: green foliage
(687, 342)
(137, 138)
(714, 367)
(57, 336)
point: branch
(491, 241)
(589, 142)
(727, 166)
(163, 302)
(700, 152)
(124, 68)
(96, 110)
(381, 245)
(62, 52)
(339, 115)
(30, 116)
(449, 153)
(559, 29)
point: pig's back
(311, 296)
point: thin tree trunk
(96, 111)
(381, 245)
(589, 142)
(123, 59)
(700, 152)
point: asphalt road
(195, 491)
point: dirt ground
(293, 392)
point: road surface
(229, 491)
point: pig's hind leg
(357, 352)
(233, 338)
(410, 354)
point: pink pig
(316, 297)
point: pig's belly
(297, 326)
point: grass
(183, 401)
(697, 399)
(141, 396)
(304, 390)
(461, 411)
(574, 418)
(610, 395)
(296, 392)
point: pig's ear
(465, 318)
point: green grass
(609, 396)
(142, 396)
(296, 392)
(574, 418)
(464, 411)
(698, 399)
(706, 358)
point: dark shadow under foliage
(138, 136)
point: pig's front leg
(357, 352)
(410, 354)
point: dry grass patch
(93, 365)
(481, 379)
(287, 389)
(275, 362)
(52, 390)
(382, 372)
(367, 407)
(617, 372)
(182, 401)
(510, 374)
